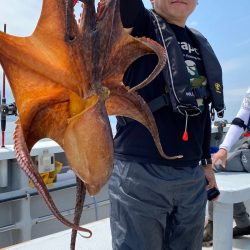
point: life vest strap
(154, 105)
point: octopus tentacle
(130, 104)
(162, 56)
(60, 86)
(134, 48)
(25, 162)
(100, 8)
(89, 19)
(68, 20)
(80, 197)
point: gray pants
(240, 214)
(157, 207)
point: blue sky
(225, 23)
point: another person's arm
(235, 131)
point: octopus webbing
(67, 78)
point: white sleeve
(246, 101)
(235, 131)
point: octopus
(67, 78)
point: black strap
(205, 162)
(154, 105)
(248, 125)
(164, 100)
(159, 102)
(239, 122)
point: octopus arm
(126, 52)
(26, 164)
(119, 49)
(32, 92)
(122, 102)
(47, 52)
(49, 122)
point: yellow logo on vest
(218, 87)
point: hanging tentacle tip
(179, 156)
(86, 236)
(173, 157)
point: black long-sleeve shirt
(133, 141)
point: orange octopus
(66, 79)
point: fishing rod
(5, 109)
(3, 116)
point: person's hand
(220, 155)
(209, 174)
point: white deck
(101, 240)
(234, 187)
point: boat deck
(101, 240)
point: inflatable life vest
(182, 97)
